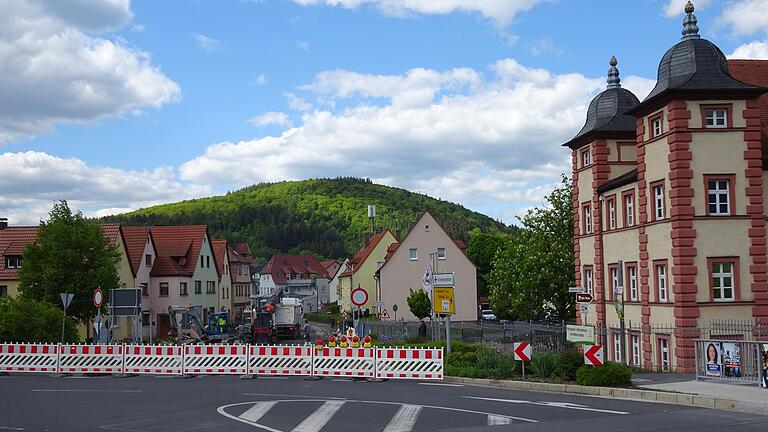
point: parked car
(488, 315)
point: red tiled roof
(111, 231)
(754, 72)
(242, 249)
(331, 267)
(362, 255)
(135, 238)
(13, 240)
(461, 245)
(279, 265)
(391, 250)
(178, 248)
(219, 249)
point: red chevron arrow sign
(593, 355)
(523, 351)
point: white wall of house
(205, 272)
(143, 278)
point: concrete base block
(666, 397)
(685, 399)
(703, 401)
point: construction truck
(187, 327)
(277, 317)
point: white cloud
(676, 8)
(303, 45)
(296, 103)
(500, 11)
(31, 181)
(746, 17)
(755, 50)
(271, 118)
(138, 28)
(260, 80)
(207, 43)
(52, 72)
(484, 142)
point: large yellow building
(361, 269)
(673, 188)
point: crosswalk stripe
(404, 419)
(257, 411)
(494, 420)
(318, 419)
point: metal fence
(731, 361)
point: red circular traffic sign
(359, 297)
(98, 297)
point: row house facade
(240, 262)
(673, 188)
(298, 276)
(361, 270)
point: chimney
(3, 223)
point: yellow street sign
(443, 300)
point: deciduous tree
(418, 302)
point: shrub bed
(609, 375)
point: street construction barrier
(154, 359)
(409, 363)
(29, 357)
(288, 360)
(91, 359)
(351, 362)
(280, 360)
(215, 359)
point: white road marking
(494, 420)
(318, 419)
(565, 405)
(257, 411)
(292, 396)
(404, 419)
(11, 428)
(87, 390)
(441, 384)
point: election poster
(732, 359)
(714, 362)
(764, 365)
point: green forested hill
(323, 217)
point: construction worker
(307, 330)
(222, 324)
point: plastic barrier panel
(28, 357)
(88, 359)
(153, 360)
(352, 362)
(409, 363)
(215, 359)
(280, 360)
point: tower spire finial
(690, 29)
(613, 74)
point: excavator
(187, 327)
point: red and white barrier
(28, 357)
(280, 360)
(87, 359)
(351, 362)
(409, 363)
(154, 360)
(215, 359)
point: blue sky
(118, 104)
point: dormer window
(13, 261)
(287, 276)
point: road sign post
(522, 352)
(359, 298)
(66, 299)
(620, 309)
(593, 355)
(394, 310)
(98, 298)
(443, 303)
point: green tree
(418, 302)
(27, 320)
(532, 272)
(71, 255)
(481, 249)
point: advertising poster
(764, 364)
(712, 355)
(732, 360)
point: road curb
(685, 399)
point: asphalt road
(227, 403)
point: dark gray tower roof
(693, 65)
(605, 115)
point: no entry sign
(98, 297)
(359, 297)
(523, 351)
(593, 355)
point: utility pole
(619, 300)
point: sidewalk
(740, 392)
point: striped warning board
(280, 360)
(215, 359)
(28, 357)
(409, 363)
(153, 360)
(353, 362)
(90, 359)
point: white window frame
(663, 288)
(585, 158)
(13, 261)
(617, 348)
(632, 274)
(439, 255)
(721, 197)
(612, 214)
(656, 126)
(629, 207)
(715, 115)
(588, 219)
(413, 254)
(664, 353)
(718, 282)
(635, 349)
(658, 197)
(588, 279)
(614, 280)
